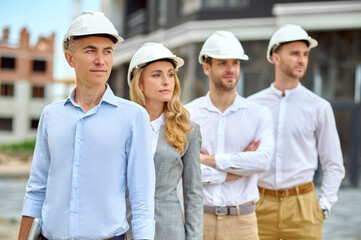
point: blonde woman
(176, 142)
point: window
(34, 123)
(6, 89)
(162, 13)
(7, 63)
(38, 92)
(6, 124)
(39, 66)
(190, 6)
(223, 3)
(338, 82)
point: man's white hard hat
(288, 33)
(150, 52)
(91, 23)
(222, 45)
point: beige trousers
(292, 217)
(230, 227)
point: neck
(285, 83)
(87, 98)
(154, 110)
(222, 100)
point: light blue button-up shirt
(83, 163)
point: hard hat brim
(311, 44)
(202, 57)
(177, 60)
(115, 38)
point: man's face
(292, 59)
(223, 73)
(92, 59)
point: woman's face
(157, 82)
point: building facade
(334, 70)
(25, 75)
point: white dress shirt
(155, 127)
(226, 135)
(305, 129)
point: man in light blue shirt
(89, 148)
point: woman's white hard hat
(289, 33)
(222, 45)
(91, 23)
(150, 52)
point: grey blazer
(170, 166)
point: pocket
(318, 208)
(317, 214)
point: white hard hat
(222, 45)
(150, 52)
(91, 23)
(289, 33)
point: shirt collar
(107, 97)
(238, 103)
(287, 92)
(157, 123)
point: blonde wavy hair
(176, 116)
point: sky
(42, 18)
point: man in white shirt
(305, 130)
(237, 143)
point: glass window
(34, 123)
(6, 89)
(162, 10)
(38, 92)
(338, 82)
(6, 124)
(7, 63)
(39, 66)
(223, 3)
(190, 6)
(237, 2)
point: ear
(275, 58)
(206, 68)
(140, 83)
(69, 58)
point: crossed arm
(210, 161)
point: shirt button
(76, 187)
(79, 140)
(77, 164)
(74, 211)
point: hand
(208, 160)
(232, 177)
(253, 146)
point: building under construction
(25, 75)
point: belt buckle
(219, 214)
(282, 193)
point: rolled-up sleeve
(141, 178)
(36, 186)
(212, 176)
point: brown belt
(301, 189)
(232, 210)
